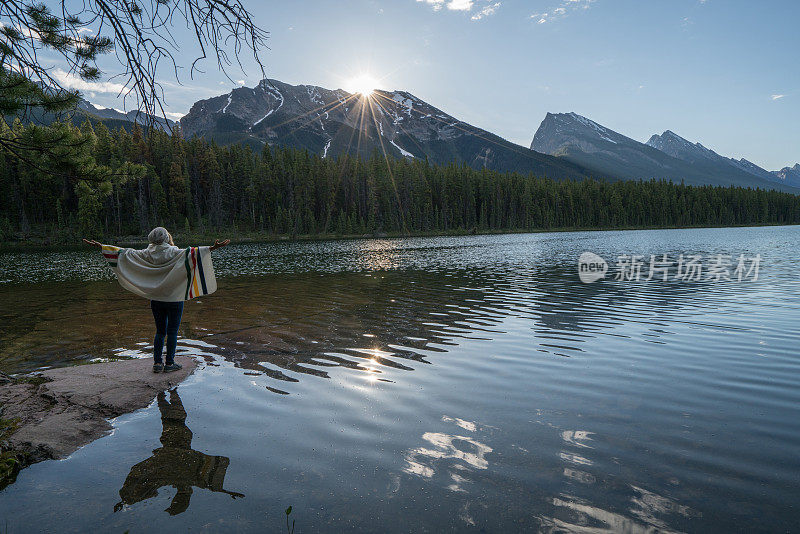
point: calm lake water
(431, 385)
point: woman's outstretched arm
(93, 243)
(217, 244)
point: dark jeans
(168, 319)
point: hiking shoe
(158, 367)
(172, 367)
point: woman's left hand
(93, 243)
(218, 244)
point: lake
(432, 385)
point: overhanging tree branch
(139, 33)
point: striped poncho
(163, 272)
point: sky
(721, 72)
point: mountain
(695, 153)
(113, 118)
(610, 154)
(334, 122)
(789, 175)
(135, 115)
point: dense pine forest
(135, 180)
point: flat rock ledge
(51, 414)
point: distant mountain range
(334, 122)
(582, 141)
(789, 175)
(86, 107)
(113, 118)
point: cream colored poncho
(163, 272)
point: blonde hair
(159, 235)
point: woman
(168, 276)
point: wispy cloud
(560, 11)
(777, 97)
(454, 5)
(482, 8)
(460, 5)
(486, 11)
(71, 81)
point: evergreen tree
(129, 181)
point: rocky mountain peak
(558, 130)
(333, 122)
(696, 154)
(134, 115)
(789, 175)
(670, 142)
(665, 156)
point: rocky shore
(51, 414)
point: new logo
(591, 267)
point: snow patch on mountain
(789, 175)
(273, 92)
(313, 94)
(404, 152)
(601, 131)
(404, 101)
(270, 112)
(230, 99)
(342, 100)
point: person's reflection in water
(174, 464)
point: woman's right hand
(93, 243)
(219, 244)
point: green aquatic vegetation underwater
(9, 461)
(12, 461)
(35, 380)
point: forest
(125, 182)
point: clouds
(454, 5)
(479, 8)
(460, 5)
(562, 10)
(777, 97)
(71, 81)
(486, 11)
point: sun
(364, 84)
